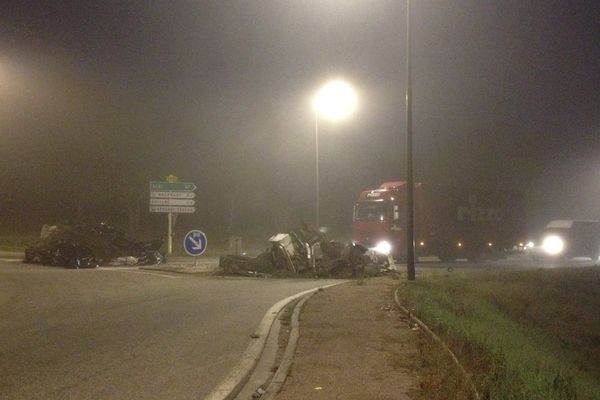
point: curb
(239, 375)
(437, 339)
(178, 270)
(288, 356)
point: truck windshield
(371, 211)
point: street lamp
(335, 101)
(410, 217)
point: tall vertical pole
(410, 220)
(170, 233)
(317, 222)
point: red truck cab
(378, 221)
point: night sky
(99, 97)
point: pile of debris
(307, 252)
(82, 246)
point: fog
(97, 99)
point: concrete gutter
(240, 374)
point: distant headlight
(529, 244)
(553, 245)
(383, 247)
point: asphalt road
(118, 333)
(517, 261)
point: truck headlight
(553, 245)
(384, 247)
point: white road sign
(172, 202)
(173, 195)
(173, 209)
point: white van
(568, 239)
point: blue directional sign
(195, 242)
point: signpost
(172, 197)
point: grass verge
(16, 242)
(523, 334)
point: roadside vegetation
(16, 242)
(521, 334)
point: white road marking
(137, 271)
(11, 259)
(157, 274)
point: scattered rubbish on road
(307, 252)
(258, 393)
(119, 261)
(83, 246)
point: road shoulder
(354, 345)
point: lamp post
(410, 221)
(334, 101)
(317, 221)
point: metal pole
(317, 168)
(170, 234)
(410, 221)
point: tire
(153, 258)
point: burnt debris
(83, 246)
(306, 252)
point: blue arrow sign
(194, 243)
